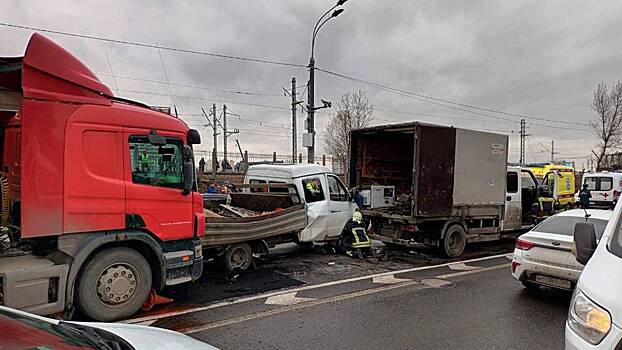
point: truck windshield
(156, 165)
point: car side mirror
(584, 242)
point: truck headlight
(587, 319)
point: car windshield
(564, 225)
(19, 332)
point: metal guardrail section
(220, 231)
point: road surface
(459, 305)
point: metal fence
(236, 162)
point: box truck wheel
(454, 242)
(113, 284)
(238, 257)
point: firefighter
(354, 240)
(584, 197)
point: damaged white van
(329, 203)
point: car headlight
(587, 319)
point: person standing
(584, 197)
(202, 165)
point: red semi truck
(99, 202)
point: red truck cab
(101, 189)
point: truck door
(154, 186)
(513, 206)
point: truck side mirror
(194, 138)
(188, 170)
(584, 242)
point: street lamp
(309, 138)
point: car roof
(594, 213)
(290, 170)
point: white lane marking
(289, 308)
(390, 279)
(234, 301)
(463, 273)
(286, 299)
(463, 267)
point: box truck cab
(605, 188)
(595, 313)
(328, 200)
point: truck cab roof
(286, 171)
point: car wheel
(113, 284)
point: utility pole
(214, 156)
(311, 112)
(552, 151)
(226, 133)
(523, 135)
(294, 103)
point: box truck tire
(238, 257)
(454, 242)
(113, 284)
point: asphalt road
(471, 305)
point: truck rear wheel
(113, 284)
(238, 257)
(454, 242)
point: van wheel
(454, 242)
(238, 257)
(113, 284)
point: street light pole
(311, 89)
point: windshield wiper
(92, 336)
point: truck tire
(113, 284)
(454, 242)
(238, 257)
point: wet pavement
(470, 305)
(289, 266)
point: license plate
(553, 282)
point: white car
(595, 313)
(543, 256)
(22, 330)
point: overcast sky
(541, 59)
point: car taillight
(524, 245)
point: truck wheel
(238, 257)
(454, 242)
(113, 284)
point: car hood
(151, 338)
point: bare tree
(607, 103)
(354, 111)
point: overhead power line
(152, 46)
(427, 97)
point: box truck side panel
(434, 167)
(480, 168)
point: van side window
(313, 190)
(512, 182)
(256, 189)
(337, 190)
(156, 165)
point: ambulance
(559, 179)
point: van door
(314, 188)
(340, 205)
(513, 204)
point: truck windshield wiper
(92, 336)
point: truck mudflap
(33, 283)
